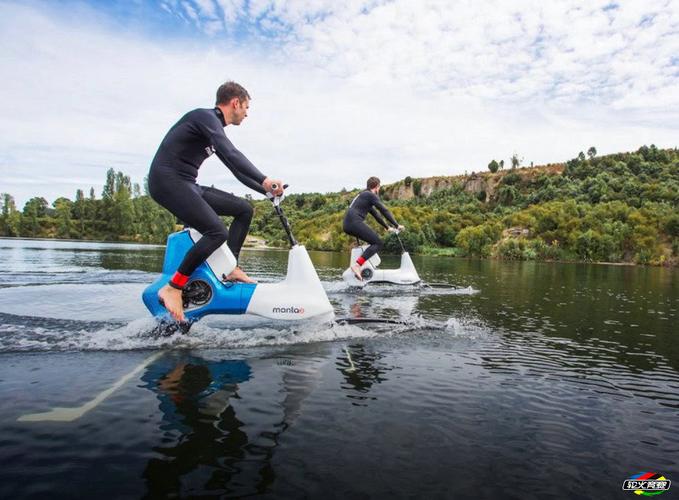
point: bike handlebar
(274, 198)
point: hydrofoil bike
(405, 274)
(299, 296)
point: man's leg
(376, 244)
(240, 209)
(184, 199)
(363, 231)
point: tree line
(122, 213)
(617, 208)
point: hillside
(616, 208)
(476, 183)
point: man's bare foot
(171, 299)
(239, 275)
(357, 271)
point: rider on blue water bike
(172, 183)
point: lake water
(518, 380)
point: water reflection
(361, 369)
(222, 419)
(218, 437)
(150, 260)
(376, 303)
(204, 439)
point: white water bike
(406, 274)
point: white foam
(139, 334)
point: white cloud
(190, 11)
(230, 9)
(347, 90)
(207, 8)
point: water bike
(406, 274)
(299, 296)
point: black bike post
(279, 211)
(399, 240)
(286, 225)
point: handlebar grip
(275, 198)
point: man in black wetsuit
(354, 222)
(172, 183)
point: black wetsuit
(354, 224)
(172, 183)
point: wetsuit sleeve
(250, 182)
(236, 161)
(379, 219)
(385, 211)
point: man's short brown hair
(373, 182)
(229, 90)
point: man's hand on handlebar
(273, 186)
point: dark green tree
(107, 217)
(317, 202)
(34, 210)
(63, 207)
(80, 212)
(122, 209)
(109, 186)
(299, 201)
(410, 240)
(506, 195)
(10, 219)
(417, 187)
(92, 209)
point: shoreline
(260, 247)
(77, 240)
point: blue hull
(225, 298)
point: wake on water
(29, 334)
(388, 289)
(98, 317)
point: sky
(341, 89)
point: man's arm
(240, 166)
(385, 211)
(377, 217)
(249, 182)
